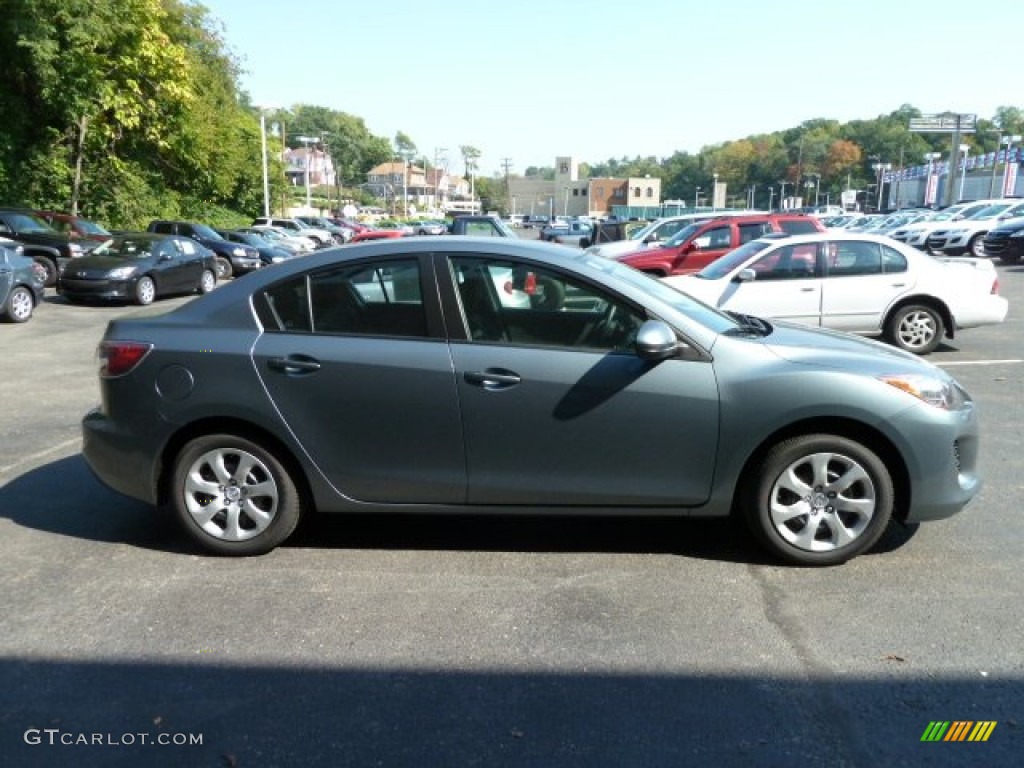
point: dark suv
(232, 258)
(51, 249)
(694, 247)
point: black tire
(224, 268)
(207, 281)
(819, 500)
(145, 290)
(19, 305)
(217, 511)
(52, 273)
(915, 328)
(584, 243)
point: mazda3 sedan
(456, 374)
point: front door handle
(294, 364)
(492, 378)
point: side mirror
(656, 341)
(745, 276)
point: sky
(529, 80)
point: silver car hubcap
(822, 502)
(147, 291)
(21, 305)
(208, 282)
(917, 329)
(231, 494)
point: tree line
(128, 110)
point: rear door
(864, 279)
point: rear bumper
(114, 457)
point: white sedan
(866, 284)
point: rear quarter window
(798, 226)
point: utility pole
(506, 166)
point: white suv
(917, 234)
(295, 227)
(967, 235)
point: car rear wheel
(915, 328)
(207, 281)
(145, 291)
(976, 247)
(19, 305)
(820, 500)
(233, 496)
(52, 274)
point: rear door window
(798, 226)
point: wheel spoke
(784, 513)
(260, 517)
(791, 482)
(196, 484)
(265, 490)
(215, 462)
(245, 466)
(854, 474)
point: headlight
(277, 259)
(121, 273)
(238, 252)
(75, 249)
(956, 232)
(942, 393)
(1018, 233)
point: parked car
(1006, 242)
(282, 238)
(917, 234)
(51, 249)
(340, 234)
(89, 233)
(233, 258)
(865, 284)
(968, 234)
(377, 234)
(816, 439)
(269, 253)
(292, 226)
(428, 227)
(694, 247)
(140, 267)
(655, 233)
(22, 282)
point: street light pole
(965, 150)
(930, 158)
(782, 195)
(771, 198)
(263, 162)
(696, 197)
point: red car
(694, 247)
(75, 227)
(376, 234)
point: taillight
(995, 286)
(120, 357)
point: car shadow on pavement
(82, 507)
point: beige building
(569, 195)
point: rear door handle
(294, 364)
(492, 378)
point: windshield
(990, 212)
(683, 303)
(681, 236)
(91, 227)
(21, 222)
(205, 232)
(640, 234)
(127, 248)
(722, 266)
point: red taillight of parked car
(120, 357)
(995, 286)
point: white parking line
(979, 362)
(41, 454)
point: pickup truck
(480, 226)
(580, 229)
(47, 247)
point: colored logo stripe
(958, 730)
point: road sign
(947, 122)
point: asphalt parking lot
(451, 642)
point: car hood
(835, 349)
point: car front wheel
(233, 496)
(820, 500)
(915, 328)
(977, 246)
(224, 268)
(19, 305)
